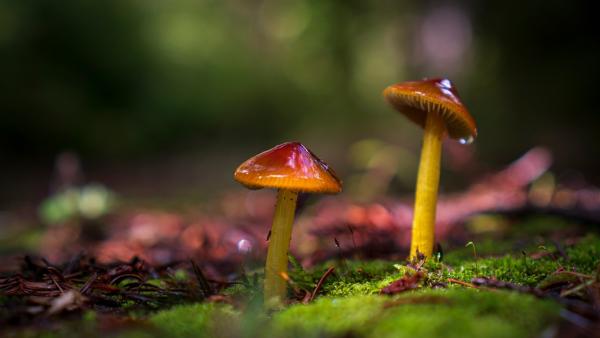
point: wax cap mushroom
(435, 106)
(289, 166)
(415, 99)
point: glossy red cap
(417, 98)
(288, 166)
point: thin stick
(456, 281)
(56, 283)
(320, 283)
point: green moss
(326, 316)
(427, 313)
(195, 320)
(362, 277)
(522, 269)
(585, 256)
(237, 289)
(365, 278)
(519, 270)
(349, 287)
(469, 313)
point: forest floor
(518, 256)
(538, 277)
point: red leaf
(408, 282)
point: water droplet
(244, 246)
(466, 140)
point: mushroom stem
(277, 260)
(427, 187)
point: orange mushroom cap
(288, 166)
(417, 98)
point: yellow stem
(427, 187)
(277, 260)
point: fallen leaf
(408, 282)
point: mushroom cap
(417, 98)
(288, 166)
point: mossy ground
(350, 305)
(425, 313)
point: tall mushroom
(434, 105)
(291, 168)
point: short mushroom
(291, 168)
(433, 104)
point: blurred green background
(154, 96)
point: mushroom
(434, 105)
(291, 168)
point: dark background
(166, 98)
